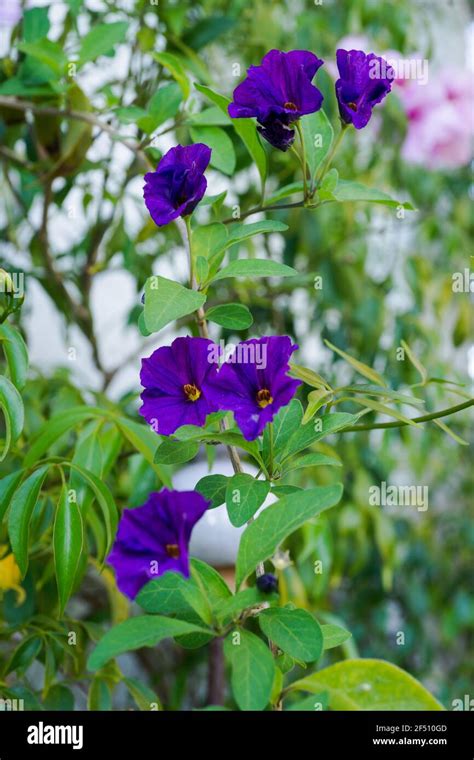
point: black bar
(368, 734)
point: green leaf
(373, 390)
(330, 181)
(104, 499)
(16, 352)
(244, 495)
(46, 51)
(130, 114)
(8, 486)
(261, 538)
(253, 670)
(255, 268)
(164, 595)
(143, 440)
(59, 698)
(163, 106)
(138, 632)
(99, 697)
(240, 232)
(317, 429)
(202, 269)
(166, 301)
(318, 135)
(308, 376)
(88, 455)
(144, 698)
(334, 636)
(21, 510)
(210, 117)
(314, 703)
(35, 24)
(176, 452)
(101, 39)
(212, 487)
(383, 409)
(24, 655)
(416, 363)
(354, 191)
(361, 368)
(286, 191)
(316, 399)
(286, 422)
(312, 460)
(233, 316)
(296, 632)
(442, 425)
(369, 685)
(67, 543)
(209, 240)
(245, 128)
(11, 405)
(176, 69)
(223, 153)
(56, 427)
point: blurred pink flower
(440, 120)
(10, 12)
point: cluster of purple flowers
(280, 91)
(277, 93)
(183, 383)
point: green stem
(270, 436)
(423, 418)
(335, 147)
(303, 159)
(192, 278)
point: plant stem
(303, 159)
(270, 434)
(185, 230)
(335, 147)
(216, 673)
(259, 209)
(423, 418)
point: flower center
(191, 391)
(172, 550)
(290, 106)
(264, 398)
(352, 106)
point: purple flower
(277, 134)
(278, 93)
(154, 538)
(254, 384)
(178, 184)
(176, 381)
(364, 81)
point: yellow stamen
(191, 391)
(290, 106)
(352, 106)
(172, 550)
(264, 398)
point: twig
(424, 418)
(88, 118)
